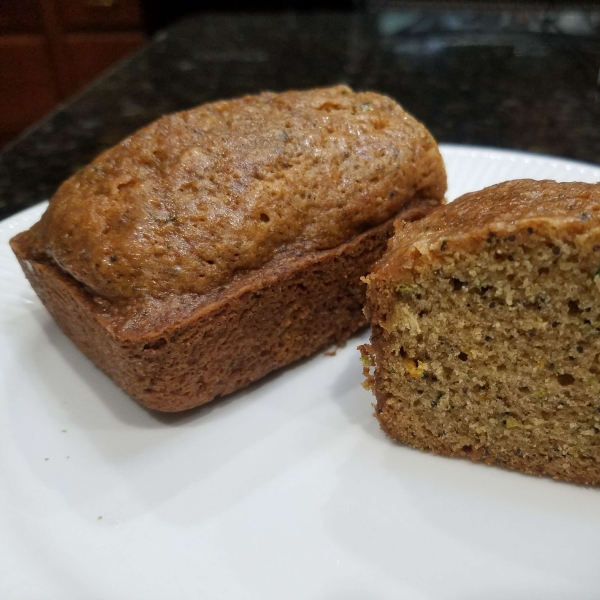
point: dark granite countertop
(526, 79)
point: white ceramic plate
(287, 490)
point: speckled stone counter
(525, 80)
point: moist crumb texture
(221, 243)
(486, 327)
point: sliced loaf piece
(486, 321)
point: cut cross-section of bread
(486, 330)
(223, 242)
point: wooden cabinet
(20, 16)
(27, 86)
(89, 54)
(49, 49)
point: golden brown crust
(485, 320)
(186, 203)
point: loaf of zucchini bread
(486, 321)
(220, 243)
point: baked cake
(486, 321)
(226, 241)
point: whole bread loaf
(486, 321)
(223, 242)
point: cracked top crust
(195, 198)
